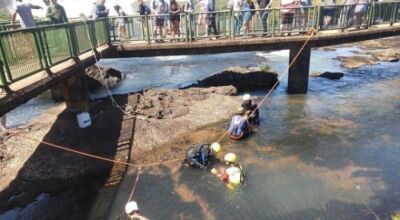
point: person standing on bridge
(120, 22)
(360, 12)
(24, 10)
(328, 12)
(158, 8)
(175, 17)
(264, 5)
(100, 10)
(212, 17)
(238, 18)
(56, 13)
(189, 9)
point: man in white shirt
(238, 19)
(24, 10)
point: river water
(333, 153)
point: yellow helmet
(216, 147)
(230, 158)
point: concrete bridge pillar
(298, 72)
(75, 93)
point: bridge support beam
(75, 92)
(299, 71)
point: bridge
(37, 59)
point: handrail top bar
(51, 26)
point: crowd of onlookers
(167, 15)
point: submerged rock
(354, 62)
(102, 76)
(329, 75)
(389, 55)
(241, 78)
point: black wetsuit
(198, 155)
(249, 106)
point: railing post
(190, 27)
(231, 35)
(3, 79)
(273, 22)
(107, 29)
(147, 28)
(393, 13)
(318, 18)
(73, 42)
(42, 51)
(92, 31)
(3, 54)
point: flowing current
(332, 153)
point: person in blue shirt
(100, 10)
(239, 127)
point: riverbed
(329, 154)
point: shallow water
(330, 154)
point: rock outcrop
(389, 55)
(169, 104)
(329, 75)
(102, 76)
(241, 78)
(354, 62)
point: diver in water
(198, 155)
(250, 106)
(233, 172)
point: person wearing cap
(198, 156)
(239, 127)
(233, 172)
(132, 210)
(56, 13)
(250, 106)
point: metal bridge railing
(25, 52)
(28, 51)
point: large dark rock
(241, 78)
(102, 76)
(329, 75)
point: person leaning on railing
(359, 12)
(264, 5)
(100, 10)
(56, 13)
(327, 13)
(24, 10)
(143, 11)
(288, 8)
(175, 17)
(212, 17)
(120, 22)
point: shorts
(247, 16)
(287, 18)
(175, 18)
(160, 21)
(328, 11)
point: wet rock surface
(373, 52)
(329, 75)
(241, 78)
(102, 76)
(354, 62)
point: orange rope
(311, 32)
(169, 161)
(99, 157)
